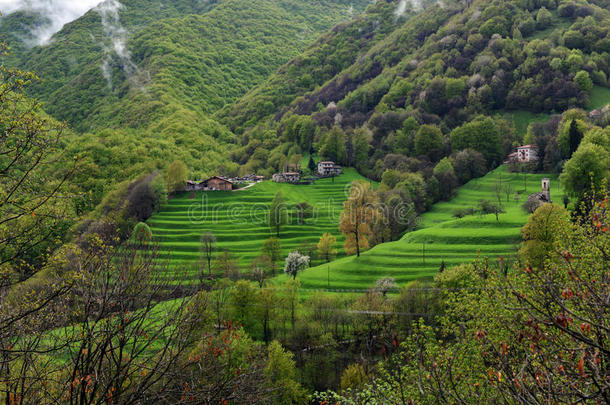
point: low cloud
(55, 13)
(116, 44)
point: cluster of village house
(325, 169)
(218, 183)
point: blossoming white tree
(295, 262)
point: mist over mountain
(53, 15)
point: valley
(304, 202)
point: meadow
(238, 220)
(441, 238)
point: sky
(59, 12)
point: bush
(463, 212)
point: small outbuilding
(288, 177)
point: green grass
(522, 119)
(238, 220)
(443, 237)
(599, 97)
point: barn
(218, 183)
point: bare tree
(207, 248)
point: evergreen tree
(575, 137)
(312, 164)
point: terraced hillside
(238, 219)
(441, 237)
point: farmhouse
(289, 177)
(524, 154)
(595, 114)
(218, 183)
(328, 169)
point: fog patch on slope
(116, 44)
(55, 14)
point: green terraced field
(441, 236)
(238, 220)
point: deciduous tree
(359, 212)
(326, 247)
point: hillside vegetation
(444, 66)
(175, 61)
(441, 238)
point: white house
(328, 169)
(527, 153)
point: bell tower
(546, 189)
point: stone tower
(546, 189)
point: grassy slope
(599, 97)
(237, 219)
(453, 240)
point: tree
(35, 215)
(304, 210)
(273, 250)
(142, 233)
(541, 232)
(586, 170)
(544, 18)
(481, 135)
(259, 267)
(176, 176)
(334, 147)
(117, 347)
(265, 309)
(571, 133)
(447, 179)
(361, 141)
(281, 372)
(207, 246)
(278, 214)
(583, 81)
(469, 164)
(429, 141)
(385, 285)
(359, 212)
(490, 207)
(226, 265)
(326, 247)
(243, 300)
(295, 262)
(313, 168)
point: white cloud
(57, 12)
(403, 5)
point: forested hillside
(154, 58)
(138, 80)
(400, 91)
